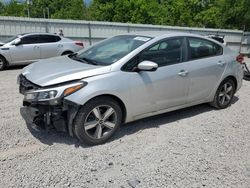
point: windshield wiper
(72, 55)
(78, 59)
(90, 61)
(83, 60)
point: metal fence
(92, 31)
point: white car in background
(31, 47)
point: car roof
(36, 33)
(155, 34)
(165, 34)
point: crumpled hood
(60, 69)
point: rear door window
(202, 48)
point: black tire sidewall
(246, 76)
(218, 104)
(4, 63)
(67, 53)
(84, 111)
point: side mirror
(17, 42)
(147, 66)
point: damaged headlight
(41, 95)
(50, 94)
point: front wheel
(98, 120)
(224, 95)
(3, 63)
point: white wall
(91, 31)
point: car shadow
(52, 136)
(14, 67)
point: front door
(167, 86)
(27, 51)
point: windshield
(112, 50)
(10, 39)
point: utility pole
(47, 11)
(28, 3)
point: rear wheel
(67, 53)
(3, 63)
(98, 120)
(224, 95)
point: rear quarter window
(202, 48)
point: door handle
(221, 63)
(60, 45)
(183, 73)
(36, 47)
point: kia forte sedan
(31, 47)
(125, 78)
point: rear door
(27, 51)
(206, 66)
(50, 45)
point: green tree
(14, 9)
(74, 9)
(134, 11)
(38, 7)
(235, 14)
(60, 9)
(1, 8)
(192, 13)
(102, 10)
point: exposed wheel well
(234, 80)
(119, 101)
(67, 52)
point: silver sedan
(128, 77)
(30, 47)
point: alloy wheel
(100, 121)
(226, 93)
(1, 63)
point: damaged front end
(46, 107)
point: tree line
(228, 14)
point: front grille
(26, 85)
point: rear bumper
(240, 75)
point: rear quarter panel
(233, 68)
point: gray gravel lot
(194, 147)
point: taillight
(240, 59)
(79, 44)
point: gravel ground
(193, 147)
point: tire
(246, 76)
(3, 63)
(91, 126)
(67, 53)
(224, 95)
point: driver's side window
(31, 39)
(166, 52)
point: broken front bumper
(48, 117)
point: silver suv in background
(128, 77)
(31, 47)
